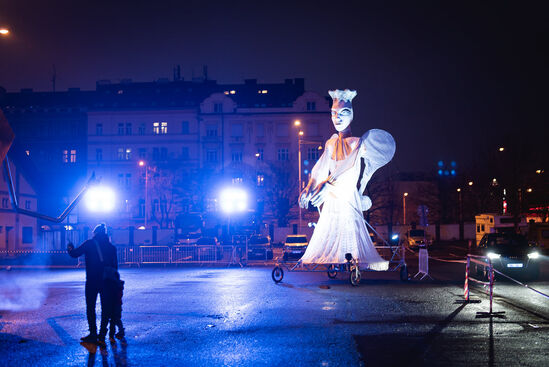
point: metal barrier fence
(138, 255)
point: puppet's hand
(305, 197)
(320, 192)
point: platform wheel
(404, 273)
(354, 276)
(277, 274)
(332, 271)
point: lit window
(283, 154)
(65, 156)
(237, 180)
(120, 129)
(27, 152)
(128, 154)
(156, 128)
(233, 92)
(260, 179)
(264, 91)
(226, 92)
(120, 154)
(73, 155)
(99, 154)
(164, 128)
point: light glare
(233, 200)
(100, 199)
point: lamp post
(404, 208)
(297, 123)
(143, 164)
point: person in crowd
(101, 260)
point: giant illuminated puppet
(341, 228)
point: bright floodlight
(4, 31)
(233, 200)
(100, 199)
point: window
(156, 205)
(128, 181)
(142, 153)
(211, 156)
(218, 107)
(283, 154)
(99, 154)
(156, 154)
(163, 154)
(141, 129)
(121, 154)
(237, 180)
(313, 154)
(312, 129)
(236, 156)
(98, 129)
(65, 156)
(128, 128)
(73, 155)
(4, 203)
(27, 204)
(260, 130)
(185, 153)
(184, 127)
(311, 106)
(141, 208)
(236, 130)
(211, 130)
(120, 179)
(260, 179)
(128, 154)
(282, 130)
(156, 128)
(27, 234)
(259, 154)
(163, 128)
(120, 129)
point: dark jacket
(94, 267)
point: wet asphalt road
(240, 317)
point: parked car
(260, 248)
(209, 249)
(295, 246)
(417, 238)
(510, 253)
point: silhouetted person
(99, 253)
(115, 290)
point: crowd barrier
(489, 271)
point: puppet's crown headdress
(345, 96)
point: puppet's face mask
(342, 117)
(342, 108)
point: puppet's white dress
(341, 228)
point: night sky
(443, 79)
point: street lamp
(143, 164)
(4, 31)
(404, 208)
(460, 205)
(501, 149)
(100, 199)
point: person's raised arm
(76, 252)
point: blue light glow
(453, 172)
(440, 172)
(306, 162)
(440, 163)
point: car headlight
(493, 256)
(533, 255)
